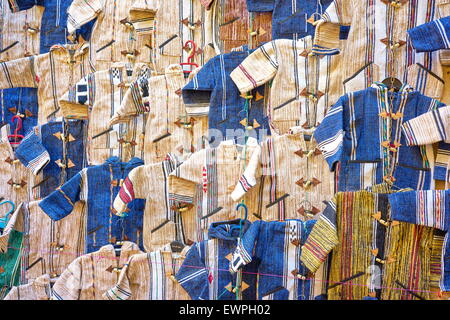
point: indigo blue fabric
(289, 17)
(431, 36)
(429, 208)
(98, 186)
(275, 247)
(43, 146)
(54, 21)
(19, 100)
(213, 87)
(205, 272)
(354, 131)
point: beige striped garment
(150, 276)
(206, 181)
(113, 37)
(169, 128)
(162, 224)
(91, 275)
(97, 97)
(20, 32)
(38, 289)
(294, 179)
(176, 22)
(15, 177)
(301, 89)
(52, 73)
(377, 46)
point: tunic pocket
(409, 176)
(362, 78)
(279, 293)
(295, 23)
(290, 110)
(425, 81)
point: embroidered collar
(80, 49)
(406, 88)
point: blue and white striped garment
(431, 36)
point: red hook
(16, 136)
(191, 56)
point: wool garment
(377, 46)
(276, 247)
(231, 26)
(290, 175)
(91, 275)
(38, 289)
(205, 273)
(430, 208)
(53, 153)
(97, 187)
(290, 18)
(150, 276)
(431, 36)
(212, 92)
(51, 73)
(203, 184)
(301, 87)
(363, 132)
(15, 177)
(48, 246)
(162, 223)
(96, 98)
(169, 127)
(373, 256)
(178, 22)
(432, 127)
(113, 37)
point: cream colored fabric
(38, 289)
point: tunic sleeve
(330, 134)
(32, 153)
(61, 202)
(431, 36)
(248, 179)
(322, 239)
(122, 290)
(68, 286)
(133, 187)
(244, 250)
(74, 103)
(193, 275)
(18, 73)
(19, 5)
(257, 69)
(81, 12)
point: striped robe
(276, 247)
(169, 128)
(97, 97)
(301, 87)
(373, 256)
(203, 185)
(162, 224)
(52, 74)
(113, 38)
(97, 187)
(91, 275)
(150, 276)
(378, 47)
(291, 176)
(48, 246)
(205, 273)
(362, 132)
(430, 208)
(38, 289)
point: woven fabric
(150, 276)
(279, 263)
(363, 132)
(97, 187)
(205, 273)
(301, 88)
(291, 178)
(52, 74)
(169, 127)
(97, 97)
(378, 30)
(91, 275)
(38, 289)
(431, 36)
(54, 153)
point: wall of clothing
(224, 149)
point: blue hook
(242, 205)
(4, 220)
